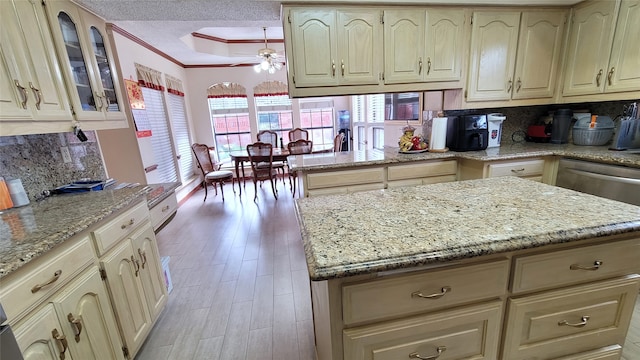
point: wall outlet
(66, 156)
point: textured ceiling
(167, 24)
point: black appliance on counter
(467, 133)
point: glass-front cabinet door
(92, 80)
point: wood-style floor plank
(241, 287)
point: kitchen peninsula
(499, 268)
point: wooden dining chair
(211, 173)
(261, 160)
(271, 137)
(297, 134)
(298, 147)
(337, 142)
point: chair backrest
(203, 157)
(297, 134)
(337, 142)
(269, 137)
(300, 146)
(261, 159)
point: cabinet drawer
(569, 321)
(401, 295)
(21, 293)
(347, 177)
(525, 168)
(467, 333)
(612, 352)
(163, 211)
(108, 235)
(422, 170)
(571, 266)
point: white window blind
(181, 136)
(357, 108)
(375, 108)
(160, 135)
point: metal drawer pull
(36, 93)
(166, 208)
(124, 226)
(23, 93)
(419, 66)
(582, 323)
(136, 265)
(61, 340)
(596, 266)
(54, 278)
(444, 290)
(610, 74)
(439, 349)
(517, 170)
(598, 77)
(77, 324)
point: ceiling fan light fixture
(268, 62)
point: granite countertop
(390, 155)
(372, 231)
(159, 192)
(30, 231)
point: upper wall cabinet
(333, 47)
(604, 51)
(515, 55)
(31, 86)
(352, 50)
(88, 65)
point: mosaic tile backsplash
(37, 160)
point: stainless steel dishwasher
(9, 349)
(609, 181)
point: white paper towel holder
(440, 114)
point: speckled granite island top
(30, 231)
(373, 231)
(390, 155)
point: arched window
(273, 109)
(229, 117)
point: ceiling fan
(270, 60)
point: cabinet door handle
(136, 265)
(36, 93)
(509, 85)
(333, 68)
(582, 323)
(610, 75)
(164, 209)
(143, 256)
(107, 101)
(97, 97)
(419, 66)
(439, 349)
(442, 292)
(428, 65)
(596, 266)
(598, 77)
(342, 67)
(77, 324)
(61, 340)
(23, 93)
(54, 278)
(124, 226)
(518, 85)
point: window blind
(375, 108)
(161, 136)
(181, 136)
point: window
(181, 136)
(402, 106)
(318, 118)
(368, 121)
(161, 136)
(231, 127)
(274, 113)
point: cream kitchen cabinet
(333, 47)
(602, 56)
(32, 94)
(133, 274)
(423, 45)
(78, 323)
(88, 64)
(515, 55)
(539, 169)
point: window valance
(226, 90)
(149, 77)
(174, 85)
(271, 88)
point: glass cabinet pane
(97, 43)
(78, 64)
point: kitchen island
(500, 268)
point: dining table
(279, 154)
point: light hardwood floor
(240, 283)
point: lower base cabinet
(77, 324)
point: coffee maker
(467, 133)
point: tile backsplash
(37, 160)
